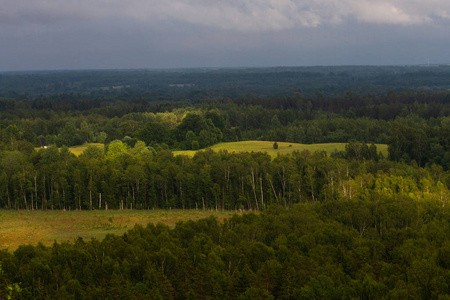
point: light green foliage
(141, 152)
(116, 149)
(89, 150)
(8, 290)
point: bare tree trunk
(44, 199)
(254, 188)
(227, 181)
(147, 206)
(128, 196)
(25, 198)
(9, 198)
(223, 198)
(312, 184)
(273, 189)
(332, 187)
(290, 195)
(35, 191)
(137, 187)
(262, 193)
(299, 189)
(51, 192)
(181, 194)
(165, 193)
(134, 199)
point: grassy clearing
(77, 150)
(283, 148)
(31, 227)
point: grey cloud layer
(241, 15)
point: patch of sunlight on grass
(77, 150)
(283, 148)
(31, 227)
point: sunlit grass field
(31, 227)
(283, 148)
(77, 150)
(256, 146)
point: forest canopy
(352, 224)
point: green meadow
(255, 146)
(283, 148)
(33, 227)
(77, 150)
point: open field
(77, 150)
(283, 148)
(255, 146)
(31, 227)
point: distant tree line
(124, 177)
(195, 84)
(414, 125)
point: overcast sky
(118, 34)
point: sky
(118, 34)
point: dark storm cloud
(47, 34)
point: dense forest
(353, 224)
(381, 243)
